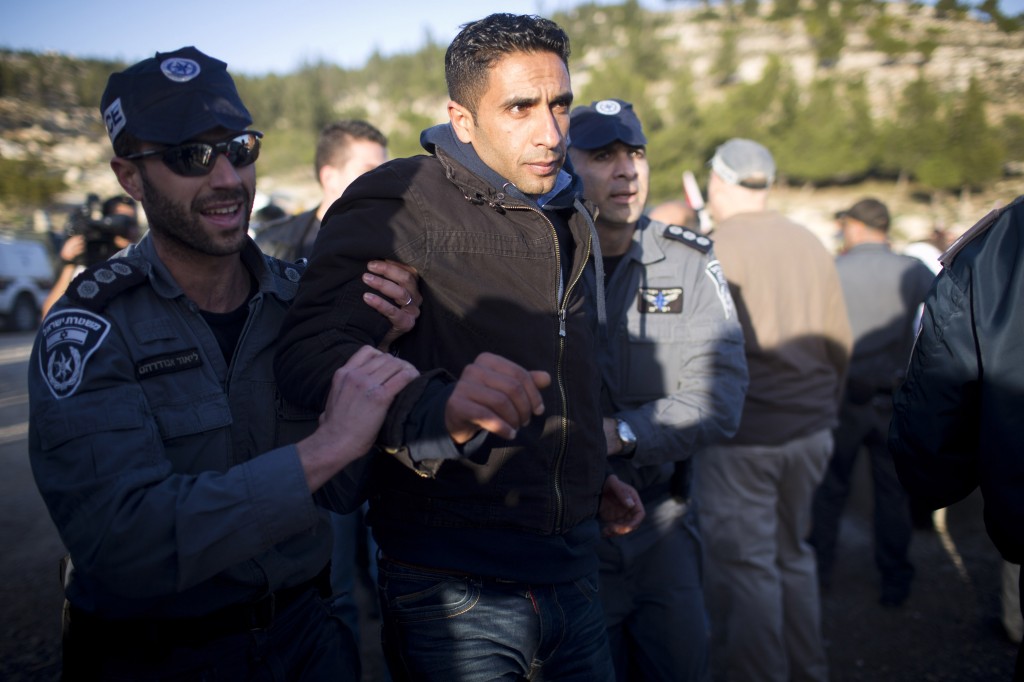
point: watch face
(627, 436)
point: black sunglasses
(195, 159)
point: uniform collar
(281, 283)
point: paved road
(948, 630)
(29, 545)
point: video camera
(99, 230)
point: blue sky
(253, 37)
(259, 36)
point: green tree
(1012, 133)
(28, 182)
(829, 137)
(784, 9)
(929, 43)
(679, 144)
(882, 33)
(826, 32)
(1005, 23)
(727, 59)
(762, 110)
(975, 146)
(917, 133)
(951, 9)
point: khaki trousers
(761, 576)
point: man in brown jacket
(756, 489)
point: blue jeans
(441, 626)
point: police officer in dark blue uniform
(183, 486)
(674, 376)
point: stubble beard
(183, 228)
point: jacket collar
(480, 183)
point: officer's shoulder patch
(97, 285)
(69, 337)
(687, 236)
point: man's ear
(129, 176)
(326, 175)
(462, 121)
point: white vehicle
(26, 275)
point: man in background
(883, 293)
(674, 375)
(344, 151)
(93, 238)
(755, 490)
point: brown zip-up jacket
(491, 276)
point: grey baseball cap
(744, 162)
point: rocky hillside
(947, 52)
(716, 52)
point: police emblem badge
(68, 340)
(714, 271)
(660, 300)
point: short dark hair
(481, 43)
(332, 144)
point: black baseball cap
(173, 97)
(871, 212)
(601, 123)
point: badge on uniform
(714, 271)
(660, 300)
(69, 338)
(168, 362)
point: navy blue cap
(173, 97)
(604, 122)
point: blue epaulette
(98, 284)
(687, 236)
(289, 271)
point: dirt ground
(948, 630)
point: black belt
(231, 620)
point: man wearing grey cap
(184, 488)
(673, 378)
(883, 292)
(755, 490)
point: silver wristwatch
(626, 437)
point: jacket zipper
(563, 304)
